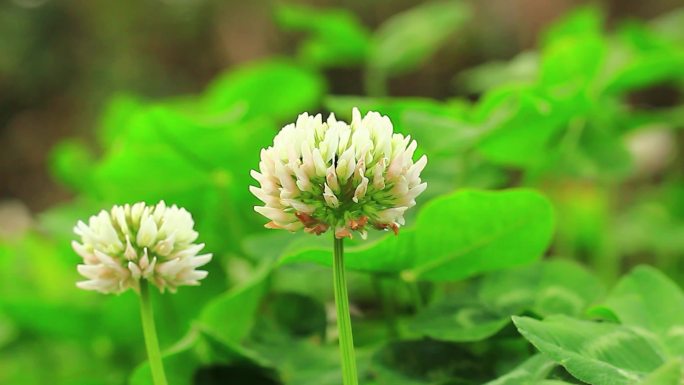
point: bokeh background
(105, 102)
(61, 61)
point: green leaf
(545, 288)
(71, 162)
(550, 287)
(200, 351)
(601, 151)
(152, 173)
(180, 363)
(57, 320)
(427, 362)
(573, 53)
(531, 372)
(230, 316)
(671, 373)
(459, 318)
(648, 300)
(439, 128)
(640, 58)
(115, 121)
(522, 69)
(275, 89)
(471, 232)
(302, 362)
(408, 39)
(336, 37)
(519, 123)
(486, 231)
(286, 310)
(389, 254)
(597, 353)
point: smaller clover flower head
(129, 243)
(333, 175)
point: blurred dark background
(60, 61)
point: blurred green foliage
(560, 189)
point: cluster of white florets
(133, 242)
(320, 175)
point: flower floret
(129, 243)
(332, 175)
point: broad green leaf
(600, 151)
(671, 373)
(199, 349)
(531, 372)
(546, 288)
(409, 39)
(230, 316)
(442, 130)
(522, 69)
(269, 245)
(305, 363)
(587, 20)
(426, 362)
(275, 89)
(71, 163)
(336, 37)
(180, 363)
(573, 53)
(444, 117)
(132, 174)
(283, 315)
(389, 254)
(116, 118)
(205, 143)
(648, 300)
(471, 232)
(597, 353)
(502, 229)
(519, 124)
(639, 58)
(56, 320)
(459, 319)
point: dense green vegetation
(546, 250)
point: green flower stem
(153, 354)
(343, 318)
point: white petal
(147, 233)
(361, 189)
(135, 270)
(201, 260)
(330, 197)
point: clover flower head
(320, 175)
(133, 242)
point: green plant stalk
(149, 330)
(349, 375)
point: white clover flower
(130, 243)
(319, 175)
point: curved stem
(149, 330)
(343, 319)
